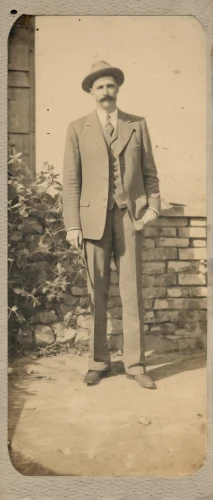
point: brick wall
(173, 284)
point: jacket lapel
(95, 133)
(125, 130)
(122, 135)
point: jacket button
(104, 199)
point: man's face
(105, 91)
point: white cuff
(151, 208)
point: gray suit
(108, 183)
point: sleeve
(149, 170)
(71, 180)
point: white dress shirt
(113, 117)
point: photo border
(13, 485)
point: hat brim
(89, 80)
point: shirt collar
(102, 115)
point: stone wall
(173, 285)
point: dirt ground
(59, 426)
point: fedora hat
(99, 69)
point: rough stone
(159, 344)
(45, 317)
(113, 278)
(152, 293)
(116, 312)
(109, 326)
(163, 316)
(170, 221)
(181, 316)
(192, 279)
(68, 300)
(64, 335)
(159, 254)
(192, 232)
(153, 268)
(149, 317)
(177, 292)
(186, 343)
(192, 253)
(198, 222)
(172, 242)
(160, 231)
(148, 303)
(159, 280)
(82, 337)
(203, 342)
(115, 342)
(43, 335)
(80, 310)
(197, 291)
(190, 291)
(114, 291)
(79, 291)
(84, 321)
(203, 269)
(84, 302)
(116, 326)
(182, 266)
(192, 330)
(188, 303)
(163, 328)
(148, 243)
(114, 302)
(199, 243)
(64, 309)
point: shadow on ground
(172, 364)
(159, 366)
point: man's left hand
(148, 217)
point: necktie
(108, 125)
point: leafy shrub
(42, 264)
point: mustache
(107, 98)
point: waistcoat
(116, 192)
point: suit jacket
(86, 172)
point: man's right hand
(75, 238)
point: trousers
(121, 240)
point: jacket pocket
(84, 202)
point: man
(110, 192)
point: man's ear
(91, 91)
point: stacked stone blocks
(174, 284)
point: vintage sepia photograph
(107, 269)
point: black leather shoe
(144, 381)
(93, 377)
